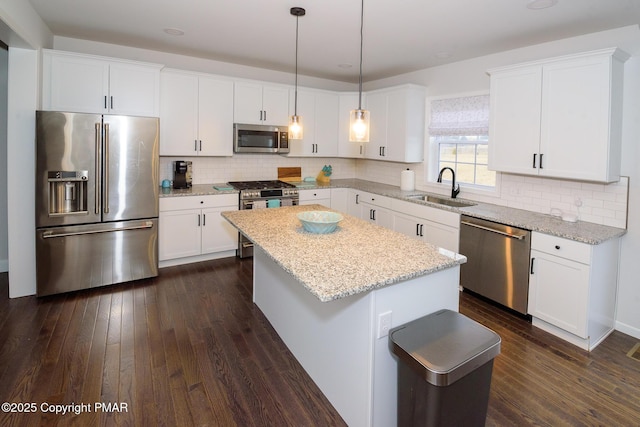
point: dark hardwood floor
(189, 348)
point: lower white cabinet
(340, 199)
(436, 226)
(192, 226)
(320, 196)
(572, 288)
(376, 209)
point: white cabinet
(340, 199)
(192, 226)
(319, 112)
(559, 118)
(572, 288)
(397, 124)
(91, 84)
(436, 226)
(376, 209)
(348, 101)
(255, 103)
(320, 196)
(196, 115)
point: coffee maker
(181, 174)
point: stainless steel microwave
(260, 139)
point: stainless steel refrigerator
(96, 200)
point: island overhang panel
(324, 294)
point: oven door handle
(493, 230)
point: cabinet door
(377, 106)
(178, 114)
(215, 117)
(340, 199)
(217, 233)
(134, 90)
(405, 125)
(247, 103)
(326, 124)
(408, 225)
(559, 292)
(575, 119)
(354, 203)
(75, 83)
(514, 120)
(441, 235)
(275, 104)
(377, 215)
(346, 148)
(179, 234)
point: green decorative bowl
(319, 222)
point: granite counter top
(580, 231)
(357, 257)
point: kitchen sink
(443, 201)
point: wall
(601, 204)
(4, 236)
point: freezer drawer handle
(51, 234)
(513, 236)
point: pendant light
(359, 119)
(295, 121)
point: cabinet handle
(532, 260)
(361, 149)
(534, 160)
(374, 214)
(105, 102)
(195, 145)
(357, 199)
(200, 145)
(417, 229)
(384, 149)
(204, 219)
(198, 220)
(112, 102)
(558, 247)
(421, 230)
(265, 115)
(541, 160)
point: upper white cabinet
(346, 148)
(196, 115)
(91, 84)
(559, 118)
(258, 104)
(397, 124)
(319, 112)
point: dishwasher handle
(493, 230)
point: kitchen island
(332, 297)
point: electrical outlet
(384, 324)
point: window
(459, 132)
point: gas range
(262, 194)
(257, 190)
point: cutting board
(290, 174)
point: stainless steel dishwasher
(497, 264)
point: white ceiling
(399, 35)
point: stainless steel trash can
(444, 370)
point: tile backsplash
(249, 167)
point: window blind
(468, 115)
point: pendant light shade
(359, 119)
(295, 121)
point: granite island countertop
(357, 257)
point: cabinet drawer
(316, 194)
(196, 202)
(374, 199)
(557, 246)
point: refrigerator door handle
(97, 173)
(106, 168)
(52, 234)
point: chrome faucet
(454, 190)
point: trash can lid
(444, 346)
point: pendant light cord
(361, 37)
(295, 108)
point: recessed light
(174, 31)
(541, 4)
(345, 66)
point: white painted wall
(4, 246)
(23, 31)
